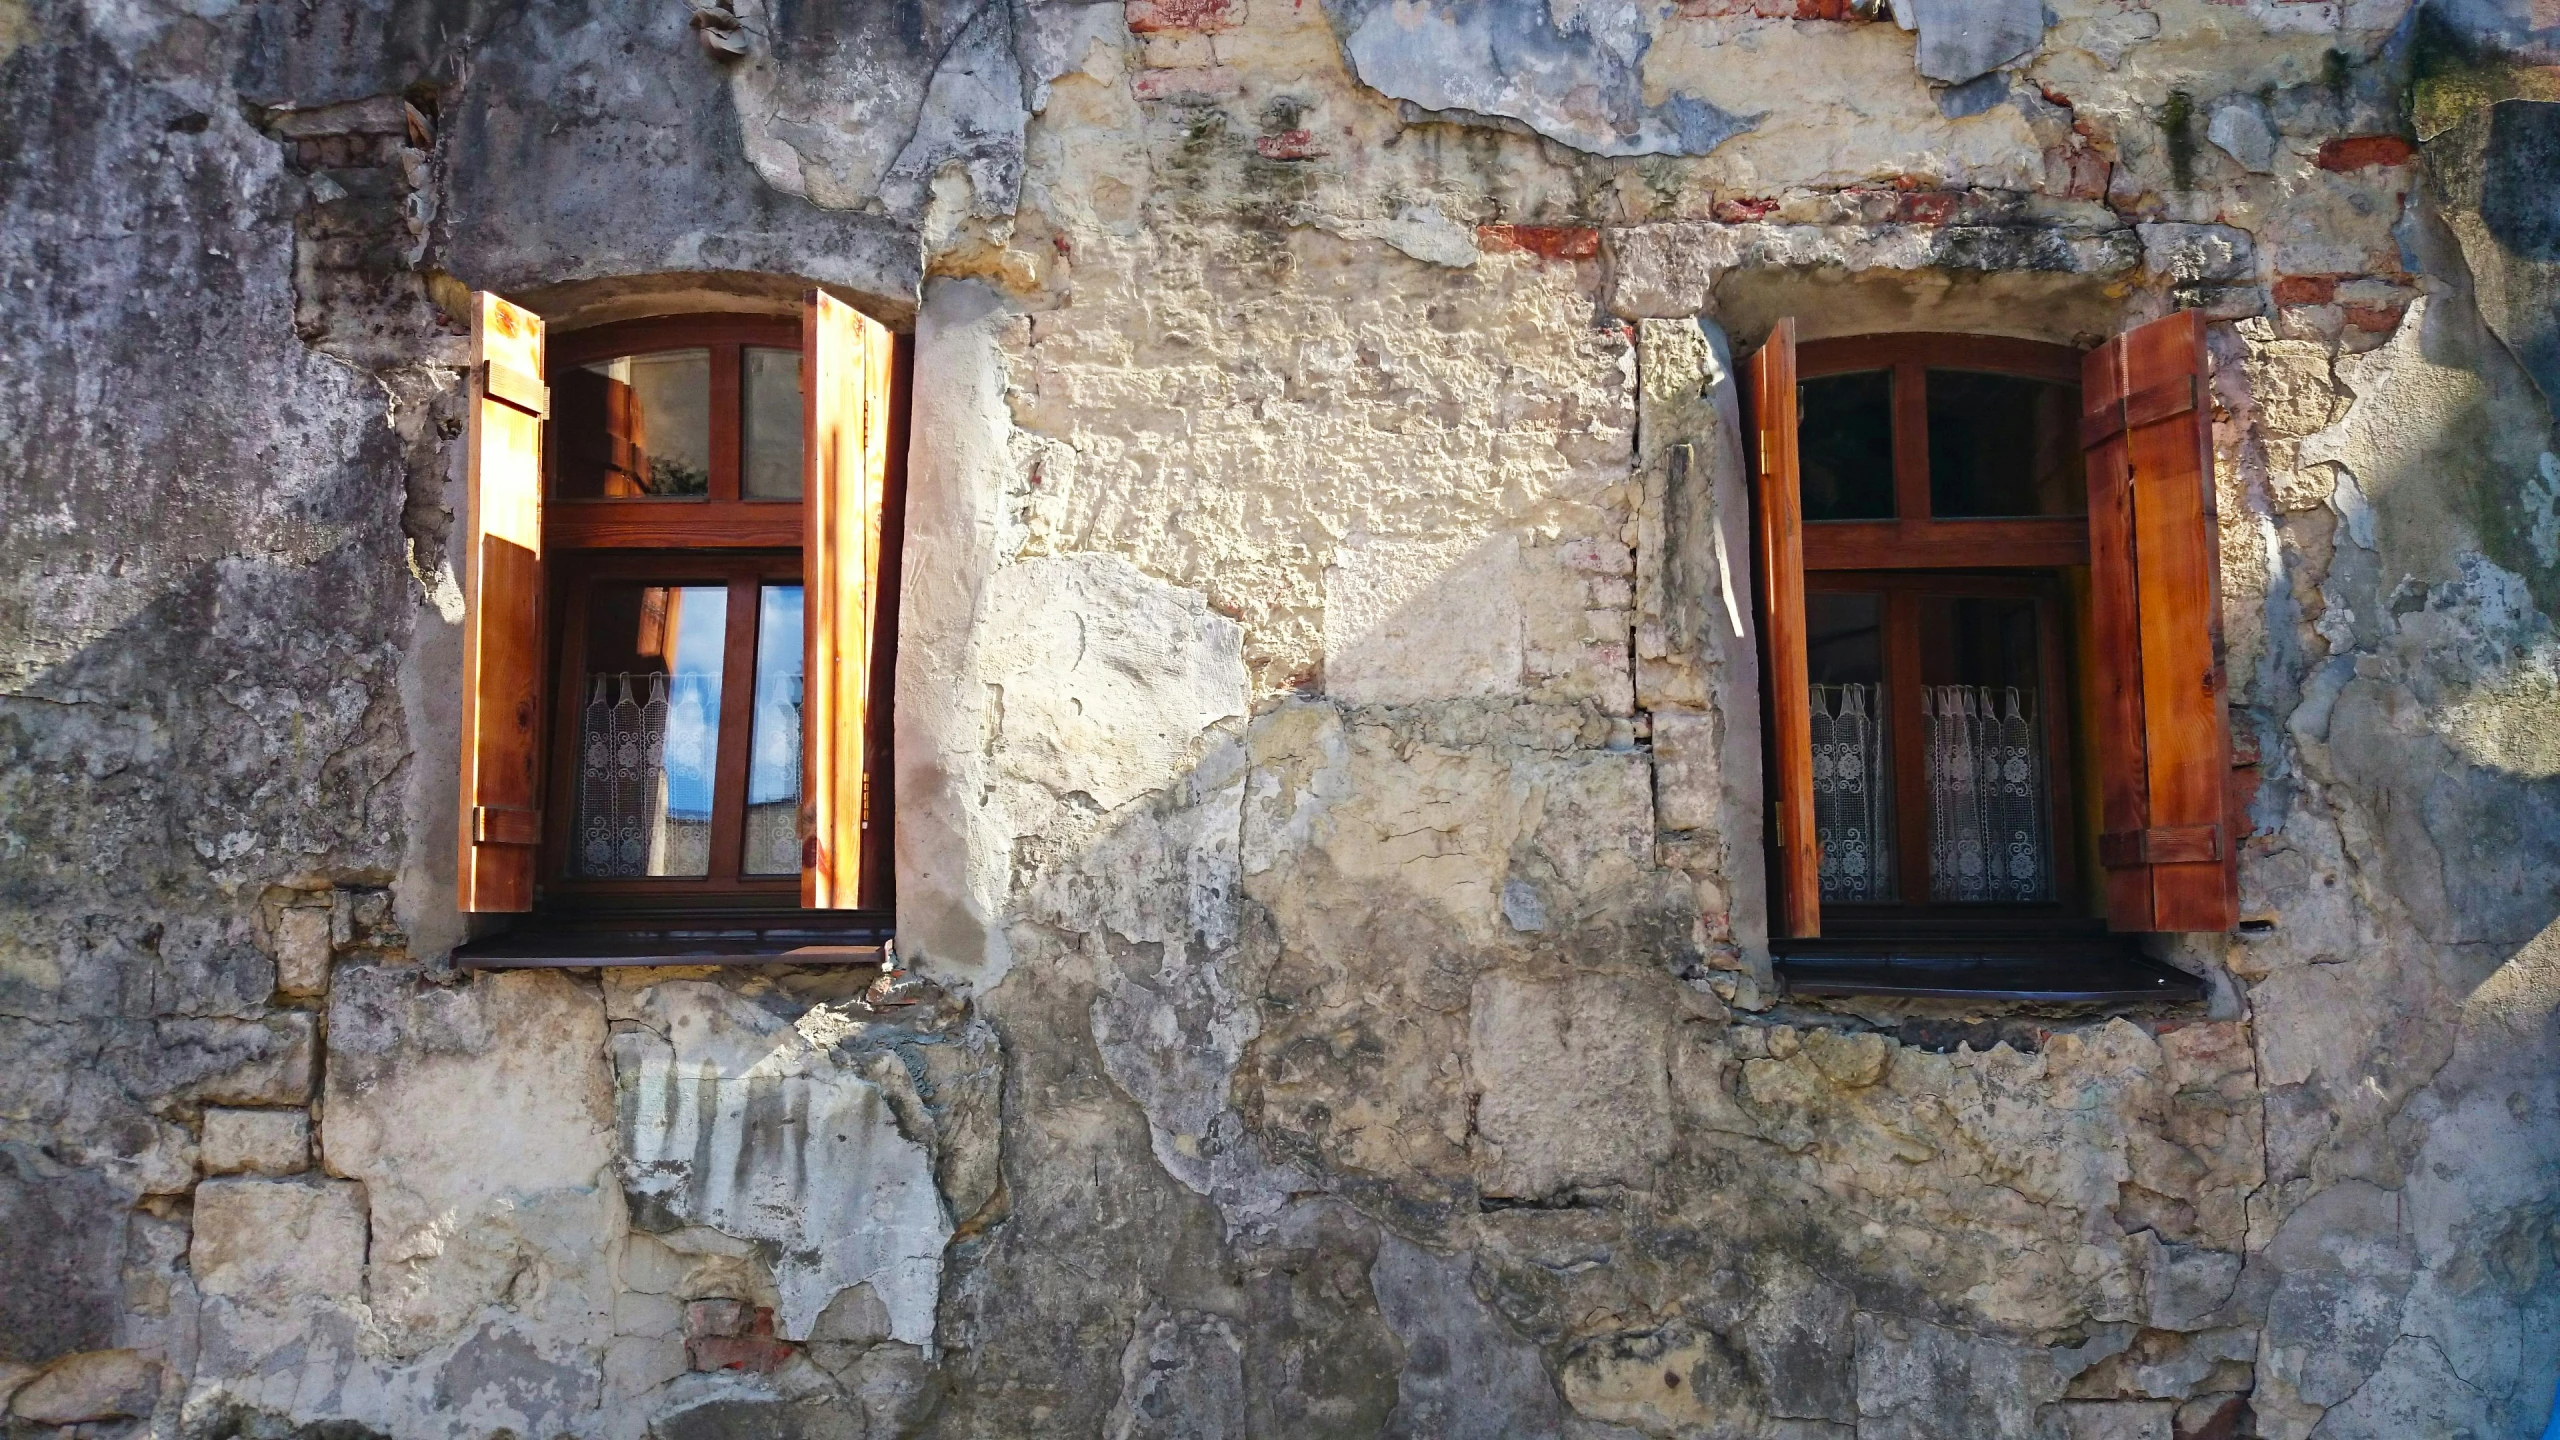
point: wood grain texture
(1796, 870)
(2040, 543)
(2165, 746)
(502, 638)
(845, 395)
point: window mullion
(1910, 744)
(737, 713)
(1910, 445)
(726, 438)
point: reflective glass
(1844, 442)
(635, 426)
(649, 729)
(2003, 446)
(772, 406)
(1988, 779)
(1852, 769)
(773, 764)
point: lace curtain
(1851, 793)
(1986, 795)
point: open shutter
(845, 395)
(2164, 743)
(501, 557)
(1795, 849)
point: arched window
(1998, 729)
(681, 569)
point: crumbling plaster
(1327, 731)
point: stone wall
(1328, 733)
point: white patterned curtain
(1986, 781)
(622, 743)
(1851, 793)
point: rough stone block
(93, 1385)
(1572, 1082)
(302, 949)
(258, 1062)
(2190, 253)
(275, 1242)
(2119, 1420)
(1688, 780)
(255, 1142)
(62, 1243)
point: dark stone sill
(2065, 966)
(745, 937)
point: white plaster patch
(1106, 675)
(732, 1119)
(1407, 621)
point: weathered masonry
(1799, 719)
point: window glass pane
(635, 426)
(2003, 445)
(1982, 717)
(772, 426)
(1844, 441)
(1852, 779)
(649, 729)
(773, 764)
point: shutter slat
(1795, 849)
(845, 379)
(2165, 744)
(501, 554)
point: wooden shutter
(1796, 852)
(501, 557)
(845, 396)
(2164, 742)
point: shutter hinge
(505, 825)
(510, 386)
(2160, 845)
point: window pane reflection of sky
(693, 701)
(773, 764)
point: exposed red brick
(2306, 289)
(2355, 152)
(1741, 209)
(709, 1318)
(2380, 319)
(2076, 171)
(1149, 17)
(1289, 145)
(1555, 242)
(758, 1353)
(1196, 83)
(1927, 207)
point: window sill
(2066, 969)
(836, 937)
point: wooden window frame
(721, 537)
(2055, 950)
(1902, 590)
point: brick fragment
(2379, 319)
(2356, 152)
(733, 1335)
(2306, 289)
(1191, 85)
(1289, 145)
(1147, 17)
(1554, 242)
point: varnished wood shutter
(1795, 850)
(2166, 834)
(501, 557)
(845, 372)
